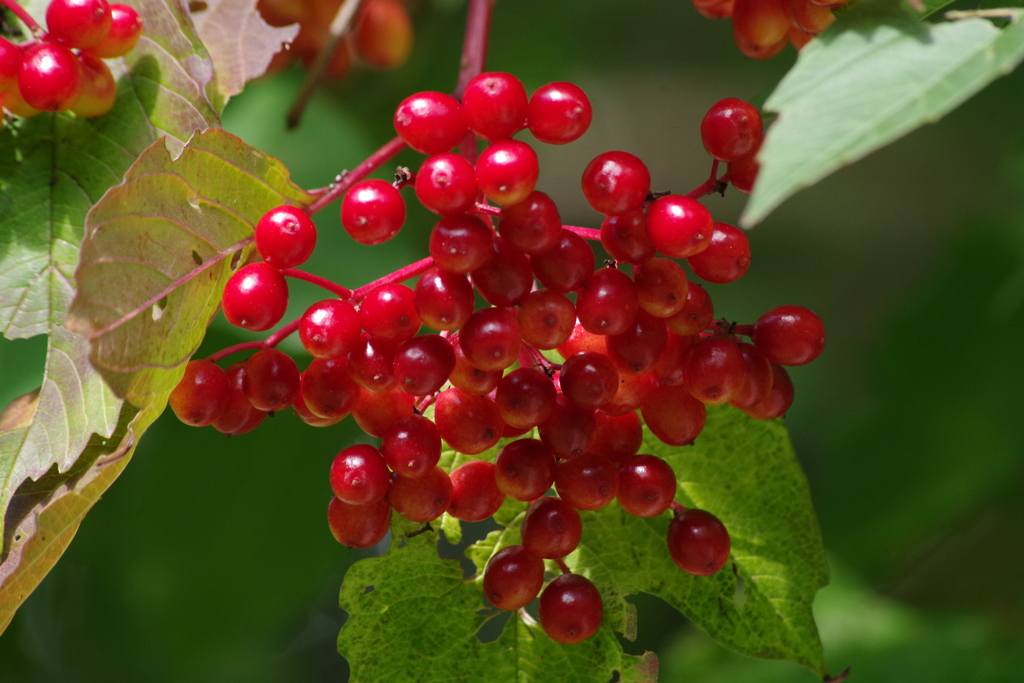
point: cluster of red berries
(381, 35)
(64, 69)
(644, 342)
(761, 28)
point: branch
(25, 17)
(474, 45)
(349, 178)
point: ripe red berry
(446, 184)
(507, 171)
(559, 113)
(359, 526)
(329, 328)
(546, 319)
(570, 429)
(674, 415)
(255, 297)
(779, 398)
(495, 105)
(525, 397)
(359, 475)
(565, 266)
(661, 287)
(374, 412)
(372, 212)
(589, 482)
(616, 182)
(78, 23)
(470, 378)
(525, 469)
(285, 237)
(731, 129)
(624, 237)
(760, 27)
(635, 351)
(570, 609)
(271, 380)
(383, 34)
(201, 395)
(239, 416)
(589, 379)
(698, 542)
(443, 300)
(551, 528)
(50, 78)
(491, 339)
(617, 436)
(389, 312)
(727, 257)
(714, 370)
(504, 279)
(531, 225)
(743, 172)
(303, 412)
(99, 89)
(789, 335)
(422, 499)
(759, 377)
(461, 244)
(647, 485)
(10, 64)
(328, 391)
(607, 302)
(430, 122)
(423, 364)
(513, 578)
(678, 226)
(124, 34)
(696, 314)
(475, 495)
(470, 424)
(371, 363)
(411, 446)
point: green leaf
(52, 169)
(240, 43)
(868, 80)
(740, 469)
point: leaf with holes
(740, 469)
(240, 43)
(872, 77)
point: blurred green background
(210, 560)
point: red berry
(10, 64)
(525, 397)
(525, 469)
(714, 370)
(607, 302)
(329, 329)
(99, 89)
(423, 364)
(559, 113)
(328, 390)
(731, 129)
(727, 257)
(359, 475)
(475, 495)
(546, 319)
(661, 287)
(201, 395)
(696, 314)
(674, 415)
(383, 34)
(411, 446)
(789, 335)
(461, 244)
(779, 398)
(551, 528)
(430, 122)
(570, 609)
(470, 378)
(565, 266)
(589, 482)
(374, 412)
(507, 171)
(743, 172)
(635, 351)
(446, 184)
(285, 237)
(531, 225)
(491, 339)
(470, 424)
(698, 542)
(760, 27)
(647, 485)
(78, 23)
(513, 578)
(239, 415)
(371, 363)
(422, 499)
(271, 380)
(255, 297)
(359, 526)
(589, 379)
(616, 182)
(504, 279)
(758, 378)
(443, 300)
(617, 436)
(624, 237)
(494, 105)
(678, 226)
(372, 212)
(389, 312)
(124, 34)
(50, 78)
(570, 429)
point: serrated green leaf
(240, 43)
(740, 469)
(869, 79)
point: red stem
(474, 44)
(563, 566)
(745, 330)
(350, 178)
(23, 14)
(709, 186)
(270, 342)
(332, 287)
(488, 209)
(585, 233)
(409, 271)
(676, 507)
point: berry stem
(339, 27)
(709, 186)
(400, 275)
(25, 17)
(676, 507)
(563, 566)
(270, 342)
(332, 287)
(474, 45)
(488, 209)
(585, 233)
(349, 178)
(745, 330)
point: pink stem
(23, 14)
(676, 507)
(586, 233)
(347, 180)
(563, 566)
(474, 44)
(487, 208)
(332, 287)
(709, 186)
(409, 271)
(270, 342)
(745, 330)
